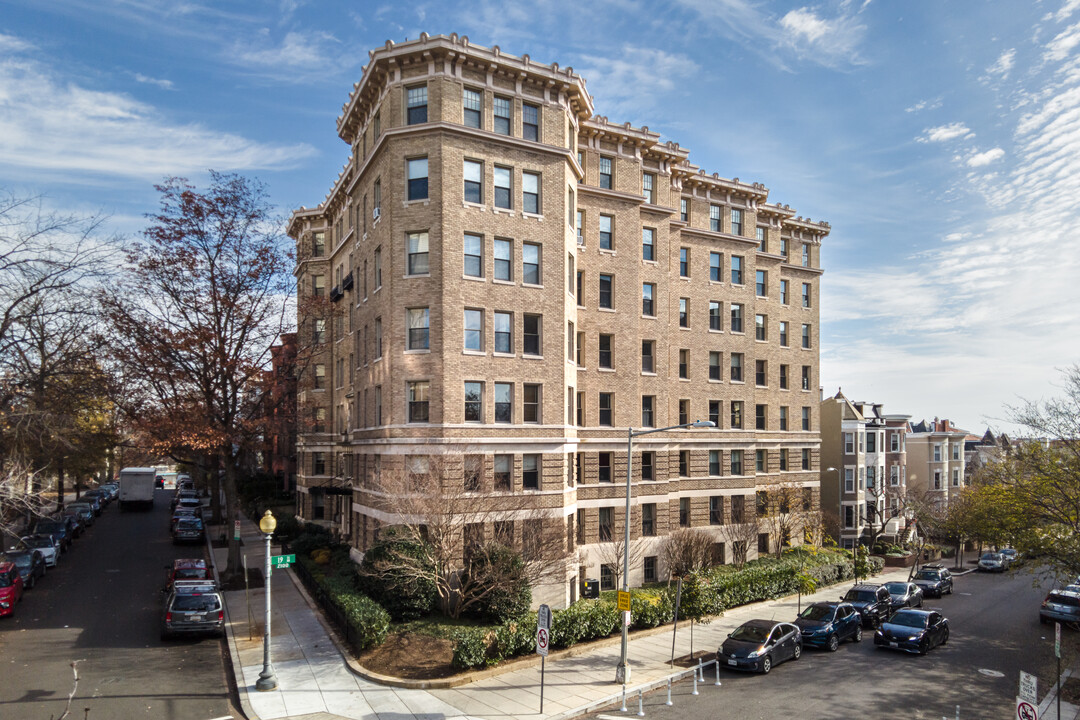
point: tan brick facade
(552, 326)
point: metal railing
(331, 611)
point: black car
(873, 602)
(60, 529)
(904, 594)
(934, 580)
(94, 501)
(758, 645)
(85, 511)
(916, 631)
(30, 563)
(187, 529)
(103, 496)
(827, 624)
(193, 607)
(74, 521)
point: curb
(230, 640)
(1051, 696)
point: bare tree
(456, 529)
(19, 502)
(613, 553)
(685, 551)
(784, 509)
(741, 534)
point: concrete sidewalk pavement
(316, 677)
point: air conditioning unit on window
(375, 214)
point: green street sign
(282, 561)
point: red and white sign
(543, 630)
(1026, 710)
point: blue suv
(827, 624)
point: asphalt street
(101, 607)
(995, 633)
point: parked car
(1061, 606)
(904, 594)
(112, 488)
(103, 496)
(1010, 555)
(758, 645)
(74, 520)
(85, 511)
(11, 587)
(187, 530)
(182, 513)
(992, 562)
(185, 569)
(934, 580)
(193, 607)
(29, 563)
(873, 602)
(46, 543)
(181, 495)
(827, 624)
(94, 501)
(917, 631)
(61, 530)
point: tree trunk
(212, 481)
(232, 508)
(60, 485)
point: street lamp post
(622, 670)
(840, 531)
(267, 679)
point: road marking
(968, 594)
(991, 673)
(113, 570)
(223, 717)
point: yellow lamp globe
(267, 523)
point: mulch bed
(411, 656)
(236, 582)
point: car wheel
(1042, 620)
(766, 665)
(857, 637)
(945, 636)
(832, 643)
(798, 652)
(922, 647)
(33, 581)
(920, 603)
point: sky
(941, 141)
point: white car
(47, 544)
(992, 562)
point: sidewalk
(315, 678)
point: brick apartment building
(277, 456)
(936, 460)
(503, 278)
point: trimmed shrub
(516, 637)
(649, 609)
(370, 623)
(404, 595)
(312, 538)
(470, 648)
(512, 597)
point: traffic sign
(624, 600)
(1029, 685)
(282, 561)
(543, 630)
(1026, 710)
(236, 530)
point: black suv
(873, 602)
(934, 580)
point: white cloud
(1003, 64)
(985, 158)
(1067, 9)
(622, 83)
(164, 84)
(944, 133)
(50, 126)
(296, 51)
(12, 44)
(924, 105)
(1063, 45)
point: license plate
(732, 662)
(196, 618)
(892, 644)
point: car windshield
(860, 596)
(896, 588)
(6, 580)
(189, 523)
(191, 574)
(1061, 599)
(817, 612)
(927, 575)
(908, 619)
(196, 603)
(49, 527)
(990, 556)
(38, 542)
(20, 559)
(751, 633)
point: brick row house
(503, 279)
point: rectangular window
(604, 346)
(684, 312)
(684, 364)
(318, 285)
(648, 244)
(606, 222)
(474, 470)
(806, 336)
(502, 115)
(783, 292)
(580, 348)
(760, 326)
(418, 178)
(580, 295)
(473, 103)
(603, 464)
(714, 218)
(416, 247)
(805, 255)
(760, 461)
(762, 247)
(684, 210)
(318, 244)
(418, 401)
(714, 412)
(736, 414)
(783, 334)
(736, 462)
(806, 418)
(763, 543)
(378, 338)
(504, 334)
(605, 536)
(606, 283)
(738, 508)
(531, 329)
(783, 377)
(761, 375)
(504, 402)
(736, 270)
(648, 519)
(579, 225)
(937, 453)
(604, 408)
(503, 465)
(530, 403)
(378, 268)
(648, 411)
(684, 411)
(378, 405)
(715, 318)
(570, 337)
(474, 401)
(648, 187)
(474, 255)
(419, 329)
(716, 509)
(684, 463)
(849, 443)
(761, 283)
(684, 262)
(648, 359)
(783, 459)
(530, 264)
(474, 181)
(530, 122)
(503, 187)
(736, 222)
(684, 512)
(605, 172)
(416, 104)
(648, 466)
(806, 295)
(648, 305)
(716, 267)
(871, 442)
(715, 365)
(736, 364)
(736, 317)
(504, 254)
(714, 463)
(319, 378)
(648, 569)
(376, 199)
(805, 377)
(784, 247)
(530, 192)
(783, 418)
(761, 421)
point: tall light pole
(267, 679)
(622, 670)
(840, 530)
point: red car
(185, 569)
(11, 588)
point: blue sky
(941, 141)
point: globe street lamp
(840, 530)
(622, 671)
(267, 679)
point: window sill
(532, 216)
(477, 353)
(716, 332)
(654, 263)
(646, 373)
(648, 317)
(607, 310)
(737, 332)
(496, 281)
(738, 382)
(503, 355)
(605, 370)
(607, 251)
(420, 275)
(418, 201)
(684, 278)
(685, 327)
(476, 206)
(685, 380)
(418, 351)
(473, 278)
(714, 381)
(532, 357)
(532, 285)
(503, 211)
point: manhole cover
(991, 673)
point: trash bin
(590, 589)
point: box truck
(137, 488)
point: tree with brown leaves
(685, 551)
